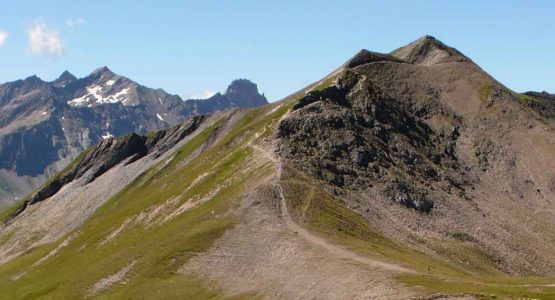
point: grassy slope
(159, 250)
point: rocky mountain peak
(102, 72)
(428, 51)
(245, 93)
(33, 79)
(31, 82)
(64, 79)
(241, 86)
(66, 76)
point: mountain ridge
(44, 125)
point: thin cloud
(200, 95)
(44, 40)
(73, 22)
(3, 37)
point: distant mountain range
(45, 125)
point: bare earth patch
(262, 254)
(116, 278)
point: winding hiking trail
(336, 250)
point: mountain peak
(244, 93)
(241, 85)
(64, 79)
(428, 51)
(33, 78)
(428, 37)
(66, 75)
(102, 70)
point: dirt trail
(336, 250)
(343, 253)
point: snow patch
(160, 117)
(160, 100)
(44, 113)
(110, 82)
(94, 95)
(107, 136)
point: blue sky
(194, 47)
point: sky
(195, 48)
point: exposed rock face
(543, 103)
(44, 125)
(110, 152)
(244, 93)
(354, 136)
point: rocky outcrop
(244, 93)
(353, 136)
(95, 161)
(542, 102)
(110, 152)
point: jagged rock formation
(112, 151)
(44, 125)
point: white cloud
(3, 37)
(73, 22)
(200, 95)
(44, 40)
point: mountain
(44, 125)
(408, 175)
(240, 93)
